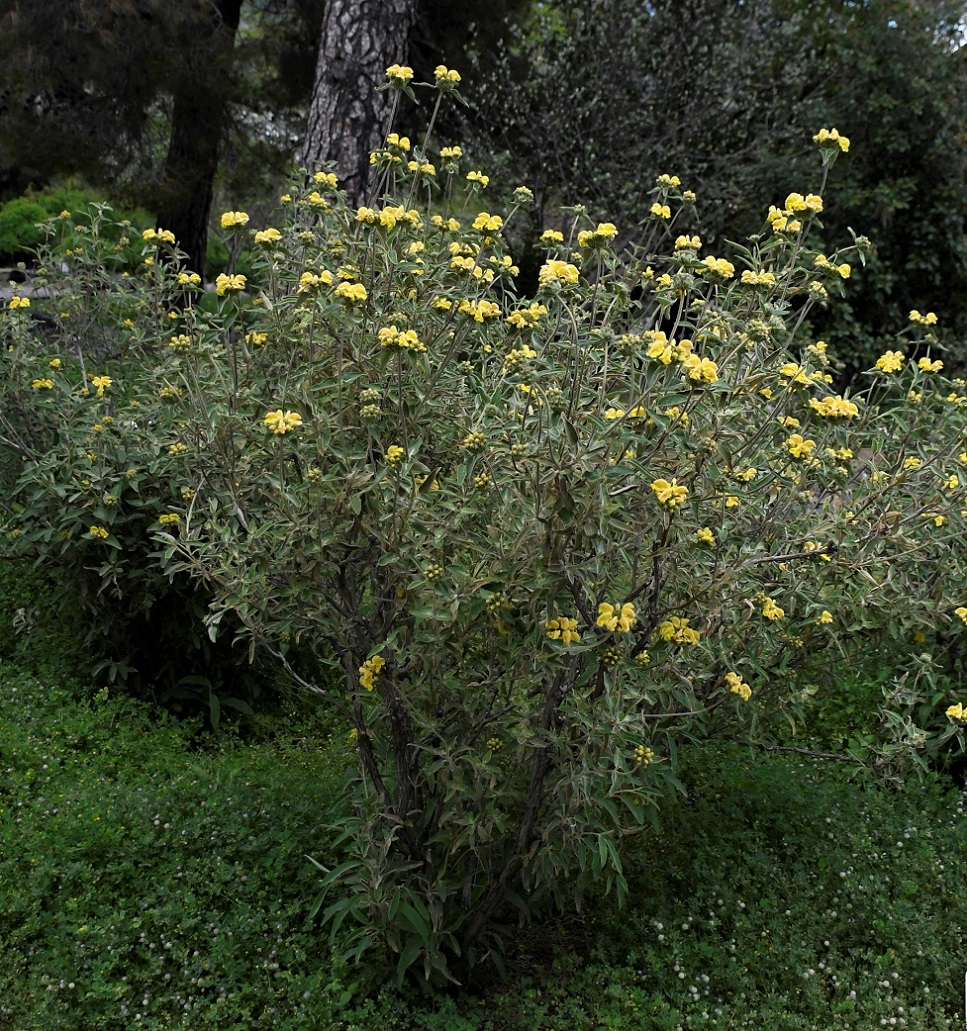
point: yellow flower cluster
(42, 384)
(688, 243)
(930, 319)
(312, 281)
(169, 519)
(101, 383)
(961, 613)
(229, 284)
(552, 236)
(643, 756)
(677, 629)
(351, 293)
(563, 629)
(834, 407)
(926, 365)
(479, 178)
(662, 211)
(403, 340)
(830, 139)
(445, 76)
(616, 618)
(487, 223)
(825, 617)
(282, 421)
(604, 232)
(891, 361)
(670, 495)
(98, 533)
(738, 686)
(561, 273)
(232, 219)
(750, 278)
(705, 535)
(771, 610)
(268, 237)
(719, 267)
(370, 670)
(19, 302)
(957, 712)
(822, 262)
(394, 454)
(399, 75)
(524, 318)
(158, 235)
(329, 179)
(798, 446)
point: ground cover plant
(526, 550)
(152, 882)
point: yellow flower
(329, 179)
(912, 463)
(102, 383)
(169, 519)
(668, 180)
(161, 235)
(961, 612)
(478, 177)
(268, 237)
(559, 272)
(563, 629)
(799, 447)
(738, 686)
(830, 139)
(42, 384)
(930, 319)
(670, 495)
(19, 302)
(399, 75)
(282, 421)
(677, 629)
(98, 533)
(688, 243)
(834, 407)
(892, 361)
(229, 284)
(825, 617)
(487, 223)
(449, 154)
(394, 454)
(445, 76)
(957, 712)
(719, 267)
(612, 617)
(700, 370)
(925, 365)
(662, 211)
(391, 336)
(351, 293)
(370, 670)
(771, 610)
(705, 535)
(234, 218)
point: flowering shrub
(525, 546)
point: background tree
(595, 100)
(358, 40)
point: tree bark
(359, 40)
(198, 120)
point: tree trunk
(197, 122)
(360, 39)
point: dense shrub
(525, 548)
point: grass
(154, 876)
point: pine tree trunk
(359, 40)
(197, 123)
